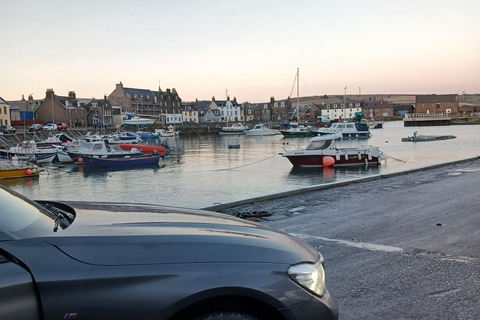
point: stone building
(442, 103)
(377, 109)
(99, 111)
(4, 112)
(164, 106)
(62, 109)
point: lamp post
(344, 102)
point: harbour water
(203, 170)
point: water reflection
(201, 170)
(319, 175)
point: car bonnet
(175, 236)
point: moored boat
(236, 128)
(170, 132)
(11, 169)
(260, 130)
(146, 149)
(323, 152)
(131, 120)
(296, 130)
(348, 130)
(121, 162)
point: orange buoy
(80, 160)
(328, 161)
(29, 172)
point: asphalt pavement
(403, 246)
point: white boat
(124, 137)
(347, 130)
(170, 132)
(236, 128)
(30, 148)
(260, 130)
(131, 120)
(323, 152)
(99, 148)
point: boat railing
(436, 115)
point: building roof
(3, 101)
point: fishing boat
(121, 162)
(99, 148)
(170, 132)
(132, 120)
(236, 128)
(147, 135)
(146, 149)
(323, 152)
(10, 169)
(30, 148)
(124, 137)
(348, 130)
(296, 130)
(260, 130)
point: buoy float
(80, 160)
(29, 172)
(328, 161)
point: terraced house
(163, 106)
(4, 112)
(65, 109)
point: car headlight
(310, 276)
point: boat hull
(146, 149)
(19, 173)
(123, 162)
(339, 161)
(287, 133)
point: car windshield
(22, 218)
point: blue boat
(133, 161)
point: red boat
(146, 149)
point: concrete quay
(398, 246)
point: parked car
(50, 126)
(132, 262)
(61, 126)
(35, 127)
(6, 129)
(99, 124)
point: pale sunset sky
(250, 49)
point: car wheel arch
(241, 300)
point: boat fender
(337, 157)
(29, 172)
(370, 156)
(328, 161)
(134, 150)
(346, 156)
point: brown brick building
(147, 103)
(62, 109)
(443, 103)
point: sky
(245, 49)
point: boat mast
(298, 93)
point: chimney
(71, 95)
(50, 94)
(119, 85)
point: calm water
(204, 171)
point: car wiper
(62, 219)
